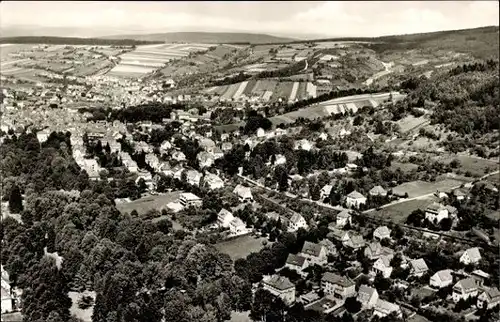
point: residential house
(378, 191)
(329, 246)
(244, 193)
(441, 278)
(280, 286)
(218, 153)
(355, 200)
(297, 263)
(315, 253)
(460, 194)
(375, 251)
(480, 276)
(279, 159)
(188, 199)
(261, 133)
(303, 145)
(489, 298)
(382, 232)
(340, 235)
(436, 212)
(355, 242)
(325, 191)
(165, 146)
(382, 266)
(341, 287)
(193, 177)
(343, 218)
(213, 181)
(471, 256)
(367, 296)
(226, 146)
(383, 308)
(237, 226)
(205, 159)
(464, 289)
(418, 267)
(296, 222)
(224, 217)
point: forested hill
(74, 41)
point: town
(318, 180)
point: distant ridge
(206, 37)
(72, 41)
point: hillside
(205, 37)
(72, 41)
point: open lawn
(420, 188)
(241, 247)
(145, 204)
(411, 122)
(240, 316)
(400, 211)
(477, 167)
(405, 167)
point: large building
(187, 199)
(341, 287)
(280, 286)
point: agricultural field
(411, 123)
(145, 59)
(241, 247)
(145, 204)
(282, 91)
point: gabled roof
(378, 190)
(279, 282)
(355, 195)
(419, 265)
(435, 207)
(337, 279)
(296, 260)
(444, 275)
(344, 214)
(467, 284)
(296, 218)
(385, 260)
(386, 307)
(365, 293)
(492, 293)
(311, 249)
(357, 241)
(383, 231)
(473, 254)
(223, 213)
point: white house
(378, 191)
(325, 191)
(418, 267)
(187, 199)
(193, 177)
(375, 251)
(367, 296)
(244, 193)
(224, 217)
(237, 226)
(340, 235)
(464, 289)
(441, 278)
(261, 133)
(296, 222)
(382, 232)
(355, 200)
(355, 242)
(382, 266)
(205, 159)
(470, 256)
(343, 218)
(280, 286)
(436, 212)
(6, 293)
(179, 156)
(489, 298)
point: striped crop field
(146, 59)
(250, 87)
(240, 90)
(293, 94)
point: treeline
(241, 77)
(154, 112)
(49, 40)
(283, 72)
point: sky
(329, 18)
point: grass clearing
(411, 122)
(400, 211)
(477, 167)
(241, 247)
(420, 188)
(145, 204)
(84, 315)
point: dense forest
(154, 112)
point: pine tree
(15, 200)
